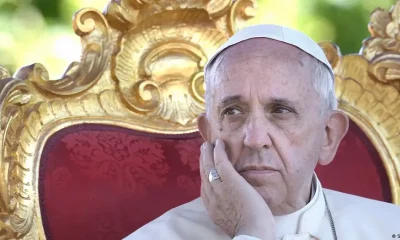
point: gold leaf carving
(174, 95)
(386, 68)
(92, 27)
(383, 48)
(145, 96)
(380, 18)
(14, 198)
(198, 87)
(123, 14)
(177, 34)
(217, 8)
(392, 29)
(241, 11)
(4, 73)
(331, 51)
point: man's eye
(281, 110)
(231, 111)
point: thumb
(222, 164)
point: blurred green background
(40, 30)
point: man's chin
(274, 199)
(271, 188)
(262, 178)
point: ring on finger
(213, 175)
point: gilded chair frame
(122, 81)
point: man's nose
(257, 133)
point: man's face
(266, 110)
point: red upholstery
(103, 182)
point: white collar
(306, 219)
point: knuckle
(204, 175)
(207, 169)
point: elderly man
(271, 118)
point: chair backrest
(113, 143)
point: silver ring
(213, 175)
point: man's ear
(204, 127)
(335, 130)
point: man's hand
(232, 203)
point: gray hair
(323, 82)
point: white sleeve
(245, 237)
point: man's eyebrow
(228, 100)
(236, 98)
(282, 101)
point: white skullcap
(279, 33)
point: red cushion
(103, 182)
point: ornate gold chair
(113, 143)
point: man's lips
(257, 170)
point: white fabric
(289, 224)
(355, 218)
(278, 33)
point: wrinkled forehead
(259, 55)
(264, 64)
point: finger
(206, 188)
(207, 164)
(203, 171)
(201, 168)
(207, 159)
(222, 163)
(204, 195)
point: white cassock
(354, 218)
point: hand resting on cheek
(232, 203)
